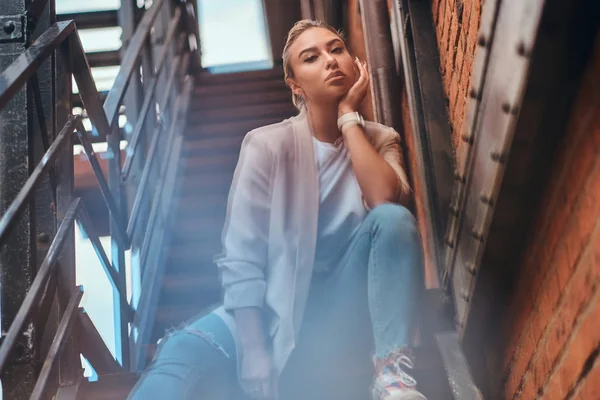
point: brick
(581, 288)
(589, 388)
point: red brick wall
(555, 340)
(456, 23)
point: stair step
(206, 78)
(243, 99)
(213, 163)
(243, 112)
(236, 88)
(205, 182)
(211, 146)
(204, 131)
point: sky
(232, 31)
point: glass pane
(101, 39)
(74, 6)
(233, 32)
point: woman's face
(323, 69)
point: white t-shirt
(341, 209)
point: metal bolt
(43, 238)
(482, 41)
(508, 109)
(477, 235)
(487, 198)
(522, 50)
(9, 27)
(459, 177)
(467, 138)
(453, 210)
(465, 295)
(498, 157)
(470, 267)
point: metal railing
(143, 173)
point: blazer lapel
(307, 210)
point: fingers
(262, 389)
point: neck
(323, 121)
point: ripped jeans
(194, 362)
(364, 305)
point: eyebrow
(315, 49)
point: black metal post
(380, 53)
(17, 253)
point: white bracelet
(350, 119)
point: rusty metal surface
(417, 53)
(36, 289)
(458, 275)
(18, 72)
(130, 59)
(385, 84)
(10, 215)
(60, 341)
(150, 95)
(35, 82)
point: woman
(321, 265)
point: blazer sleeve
(243, 259)
(390, 151)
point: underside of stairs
(224, 108)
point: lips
(335, 74)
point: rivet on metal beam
(487, 198)
(477, 235)
(470, 267)
(467, 138)
(453, 210)
(9, 27)
(474, 94)
(481, 40)
(464, 294)
(522, 50)
(509, 110)
(498, 157)
(459, 177)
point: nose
(330, 61)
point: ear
(296, 89)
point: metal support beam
(22, 139)
(385, 86)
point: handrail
(103, 116)
(141, 122)
(115, 96)
(58, 344)
(41, 277)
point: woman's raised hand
(357, 92)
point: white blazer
(270, 231)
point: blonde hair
(298, 29)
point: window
(233, 35)
(75, 6)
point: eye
(337, 50)
(310, 59)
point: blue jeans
(365, 305)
